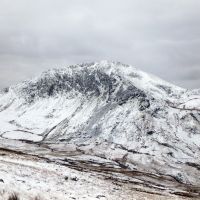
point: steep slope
(108, 110)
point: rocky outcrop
(108, 110)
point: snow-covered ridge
(93, 78)
(109, 110)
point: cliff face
(109, 110)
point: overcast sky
(158, 36)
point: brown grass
(13, 196)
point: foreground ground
(32, 177)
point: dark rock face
(87, 82)
(131, 92)
(150, 132)
(83, 82)
(4, 90)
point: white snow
(30, 178)
(156, 139)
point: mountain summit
(110, 111)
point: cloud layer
(160, 37)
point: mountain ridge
(107, 110)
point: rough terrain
(108, 118)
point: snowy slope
(110, 110)
(35, 179)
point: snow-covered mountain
(111, 111)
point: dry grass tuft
(13, 196)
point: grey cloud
(160, 37)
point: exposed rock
(109, 110)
